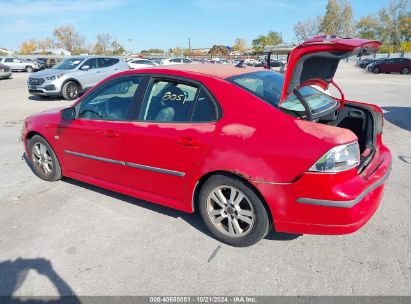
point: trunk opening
(360, 120)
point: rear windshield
(266, 85)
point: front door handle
(110, 133)
(188, 141)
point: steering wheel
(85, 111)
(114, 113)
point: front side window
(112, 101)
(91, 63)
(168, 100)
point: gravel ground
(71, 238)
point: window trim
(102, 86)
(183, 80)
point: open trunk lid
(316, 60)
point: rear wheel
(43, 160)
(376, 70)
(29, 69)
(232, 211)
(405, 71)
(70, 90)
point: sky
(164, 24)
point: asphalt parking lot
(68, 237)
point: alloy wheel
(72, 91)
(230, 211)
(42, 159)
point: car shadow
(194, 219)
(44, 98)
(399, 116)
(14, 273)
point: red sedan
(248, 148)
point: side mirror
(85, 67)
(68, 114)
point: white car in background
(141, 63)
(170, 61)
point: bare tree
(103, 43)
(307, 29)
(68, 37)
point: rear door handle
(110, 133)
(188, 141)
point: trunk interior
(360, 120)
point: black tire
(29, 69)
(376, 70)
(55, 170)
(405, 71)
(70, 90)
(261, 224)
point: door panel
(94, 148)
(172, 151)
(94, 142)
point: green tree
(240, 45)
(272, 38)
(368, 27)
(330, 23)
(395, 24)
(338, 18)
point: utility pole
(189, 47)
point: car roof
(216, 70)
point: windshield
(318, 101)
(68, 64)
(266, 85)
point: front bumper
(5, 74)
(319, 203)
(47, 88)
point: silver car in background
(5, 71)
(73, 76)
(19, 64)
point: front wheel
(405, 71)
(232, 211)
(70, 90)
(29, 69)
(43, 160)
(376, 70)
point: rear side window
(168, 101)
(204, 109)
(8, 60)
(104, 62)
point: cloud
(40, 8)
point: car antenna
(240, 64)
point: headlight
(54, 76)
(340, 158)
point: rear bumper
(329, 203)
